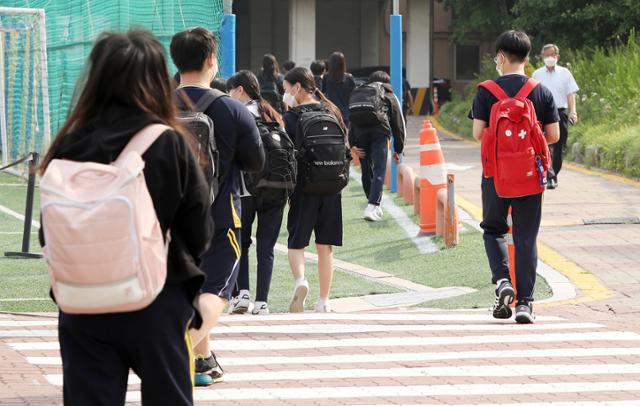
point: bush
(608, 134)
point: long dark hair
(270, 66)
(337, 67)
(304, 76)
(128, 69)
(249, 83)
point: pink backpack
(104, 245)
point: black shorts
(313, 213)
(221, 263)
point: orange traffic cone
(433, 177)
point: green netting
(71, 27)
(22, 117)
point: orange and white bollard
(433, 177)
(416, 195)
(408, 181)
(512, 255)
(447, 214)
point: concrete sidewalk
(611, 253)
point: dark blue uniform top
(240, 148)
(540, 96)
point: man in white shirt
(564, 88)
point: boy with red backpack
(515, 118)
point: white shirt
(559, 81)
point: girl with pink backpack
(125, 217)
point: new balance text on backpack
(514, 150)
(367, 106)
(104, 245)
(200, 127)
(324, 156)
(275, 183)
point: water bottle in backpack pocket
(323, 155)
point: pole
(3, 119)
(396, 74)
(228, 41)
(28, 212)
(44, 79)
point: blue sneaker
(208, 371)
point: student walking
(375, 115)
(318, 131)
(318, 69)
(194, 53)
(125, 111)
(515, 158)
(269, 191)
(337, 84)
(563, 86)
(270, 80)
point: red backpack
(514, 150)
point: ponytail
(267, 113)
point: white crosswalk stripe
(464, 355)
(271, 345)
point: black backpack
(200, 127)
(323, 154)
(367, 105)
(275, 183)
(269, 91)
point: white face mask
(289, 99)
(550, 61)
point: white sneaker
(323, 307)
(372, 213)
(300, 291)
(260, 308)
(241, 303)
(379, 212)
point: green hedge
(608, 133)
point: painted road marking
(406, 391)
(372, 316)
(266, 345)
(28, 333)
(474, 371)
(28, 323)
(404, 357)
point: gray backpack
(200, 127)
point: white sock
(323, 301)
(300, 280)
(499, 282)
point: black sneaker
(208, 371)
(524, 313)
(504, 298)
(552, 184)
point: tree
(571, 23)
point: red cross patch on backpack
(514, 151)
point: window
(467, 61)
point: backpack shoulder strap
(143, 139)
(527, 88)
(206, 99)
(494, 89)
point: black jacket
(176, 184)
(395, 125)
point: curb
(560, 271)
